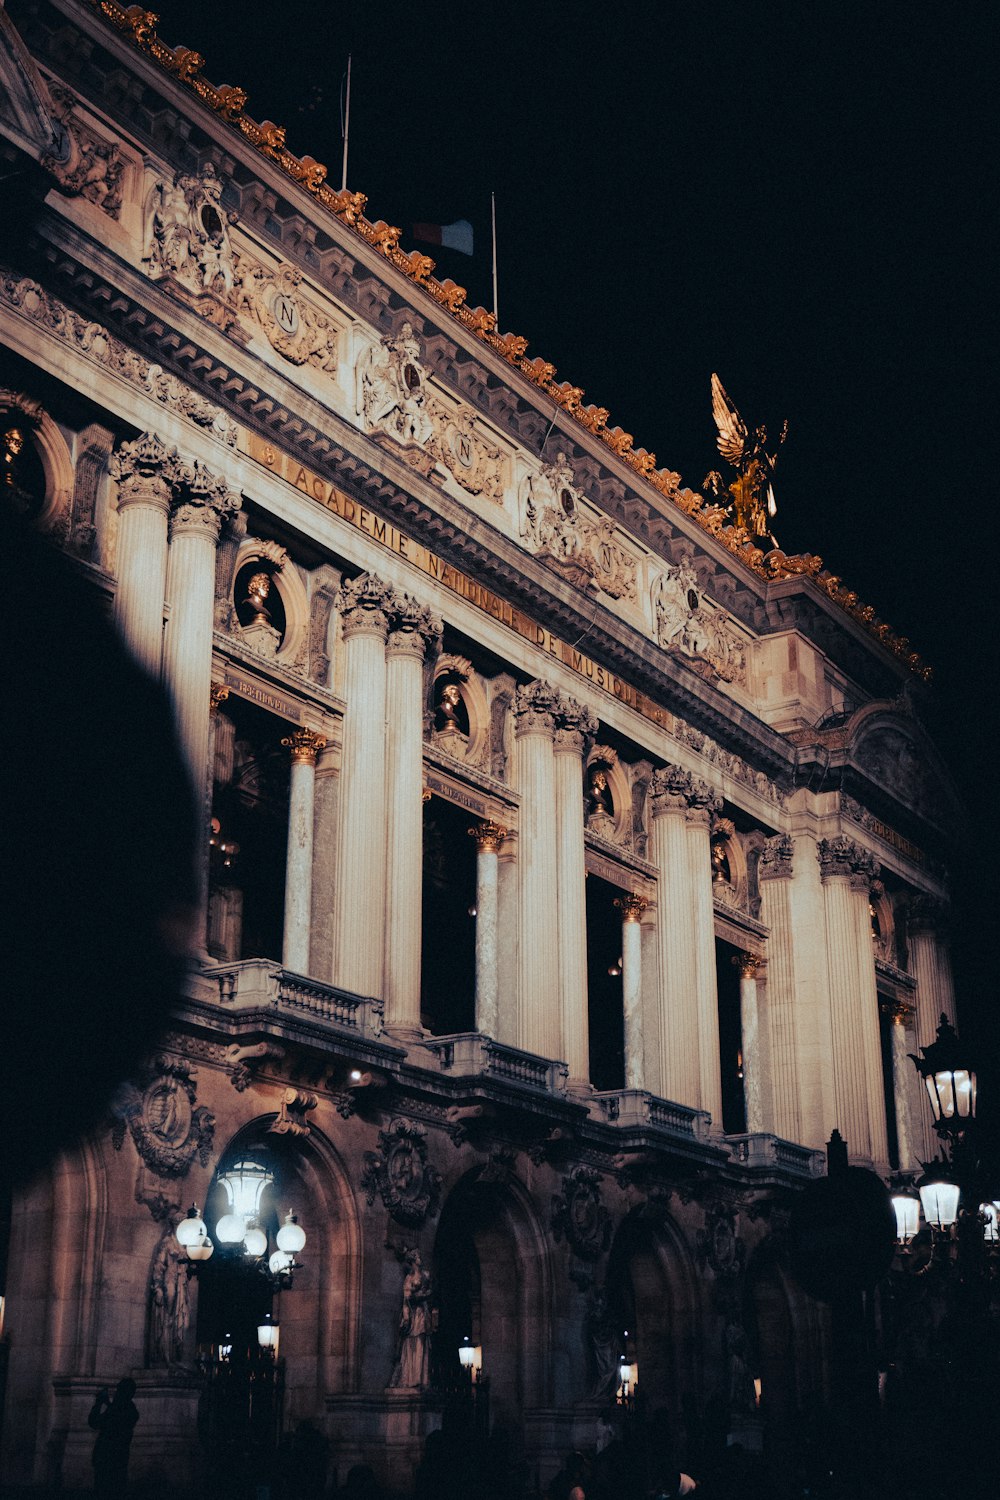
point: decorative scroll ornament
(687, 624)
(579, 1216)
(186, 244)
(292, 325)
(401, 1175)
(160, 1114)
(84, 165)
(584, 552)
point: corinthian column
(413, 631)
(774, 871)
(574, 723)
(303, 747)
(360, 893)
(701, 801)
(539, 1029)
(147, 473)
(632, 907)
(488, 836)
(847, 872)
(750, 1042)
(203, 502)
(677, 1028)
(926, 921)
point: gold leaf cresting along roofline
(269, 139)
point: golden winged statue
(749, 501)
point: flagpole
(493, 215)
(347, 125)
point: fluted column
(303, 747)
(413, 630)
(539, 1029)
(926, 919)
(632, 907)
(359, 925)
(847, 872)
(677, 1010)
(751, 1042)
(774, 870)
(701, 801)
(903, 1073)
(488, 836)
(195, 522)
(147, 473)
(574, 724)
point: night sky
(797, 195)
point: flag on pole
(457, 236)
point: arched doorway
(494, 1288)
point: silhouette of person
(114, 1422)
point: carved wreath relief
(160, 1114)
(401, 1175)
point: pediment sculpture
(187, 245)
(585, 552)
(687, 624)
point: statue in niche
(412, 1368)
(449, 713)
(720, 863)
(602, 1336)
(260, 632)
(742, 1397)
(600, 804)
(170, 1308)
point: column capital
(218, 695)
(575, 724)
(147, 472)
(364, 604)
(631, 906)
(488, 836)
(414, 629)
(303, 746)
(898, 1012)
(748, 964)
(776, 858)
(844, 857)
(535, 709)
(926, 913)
(670, 788)
(202, 501)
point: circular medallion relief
(285, 313)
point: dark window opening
(448, 957)
(886, 1024)
(734, 1113)
(604, 985)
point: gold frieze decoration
(229, 102)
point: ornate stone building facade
(574, 869)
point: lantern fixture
(291, 1237)
(906, 1205)
(470, 1357)
(267, 1335)
(628, 1379)
(991, 1226)
(191, 1230)
(939, 1200)
(950, 1082)
(244, 1186)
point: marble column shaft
(903, 1073)
(751, 1042)
(928, 963)
(703, 921)
(413, 630)
(775, 873)
(632, 907)
(488, 836)
(574, 723)
(680, 1078)
(303, 746)
(359, 924)
(539, 1021)
(147, 473)
(868, 1016)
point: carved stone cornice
(842, 857)
(575, 724)
(413, 627)
(365, 604)
(776, 858)
(488, 836)
(535, 708)
(303, 746)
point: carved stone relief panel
(585, 552)
(83, 163)
(401, 1175)
(274, 300)
(159, 1111)
(689, 625)
(187, 244)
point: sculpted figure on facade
(186, 242)
(413, 1340)
(169, 1303)
(391, 391)
(584, 552)
(83, 165)
(685, 623)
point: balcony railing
(469, 1055)
(636, 1109)
(764, 1151)
(260, 983)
